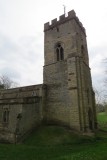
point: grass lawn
(56, 143)
(102, 120)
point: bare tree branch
(6, 82)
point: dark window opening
(6, 116)
(59, 52)
(59, 46)
(57, 29)
(57, 56)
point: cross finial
(64, 9)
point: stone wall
(57, 108)
(24, 105)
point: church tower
(70, 97)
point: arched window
(59, 52)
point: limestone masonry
(66, 96)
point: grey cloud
(21, 61)
(97, 55)
(7, 47)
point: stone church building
(66, 96)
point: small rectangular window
(6, 115)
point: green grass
(56, 143)
(102, 120)
(102, 117)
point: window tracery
(59, 52)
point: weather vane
(64, 9)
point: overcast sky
(21, 36)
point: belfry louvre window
(5, 115)
(59, 52)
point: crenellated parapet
(63, 19)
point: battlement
(63, 19)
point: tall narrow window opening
(5, 115)
(59, 52)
